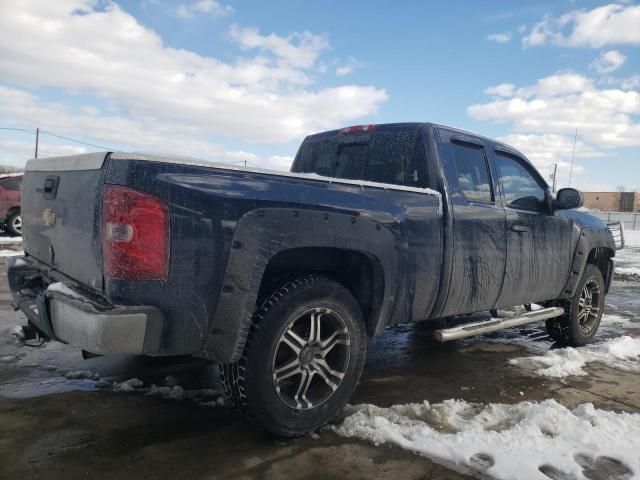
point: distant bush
(10, 169)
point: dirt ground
(54, 427)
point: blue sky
(245, 80)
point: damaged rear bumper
(71, 316)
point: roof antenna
(572, 155)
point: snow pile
(622, 353)
(506, 441)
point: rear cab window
(392, 154)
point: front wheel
(303, 358)
(583, 312)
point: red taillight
(135, 235)
(356, 129)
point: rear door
(479, 240)
(539, 243)
(61, 205)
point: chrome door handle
(516, 227)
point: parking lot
(132, 417)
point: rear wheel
(13, 225)
(303, 358)
(583, 312)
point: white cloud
(348, 67)
(112, 131)
(608, 62)
(546, 150)
(15, 152)
(606, 25)
(631, 82)
(207, 7)
(267, 98)
(502, 90)
(563, 102)
(344, 70)
(544, 117)
(504, 37)
(299, 50)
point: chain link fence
(630, 220)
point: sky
(238, 81)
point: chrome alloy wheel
(589, 306)
(16, 224)
(311, 358)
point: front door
(479, 241)
(539, 243)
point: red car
(10, 203)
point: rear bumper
(64, 313)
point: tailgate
(61, 208)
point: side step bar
(494, 324)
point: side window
(519, 187)
(472, 172)
(11, 184)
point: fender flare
(588, 240)
(263, 233)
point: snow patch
(502, 441)
(628, 272)
(10, 240)
(81, 374)
(19, 262)
(173, 393)
(64, 290)
(206, 397)
(11, 253)
(131, 385)
(17, 333)
(622, 353)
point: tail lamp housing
(135, 235)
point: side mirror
(568, 198)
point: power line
(78, 141)
(69, 139)
(18, 130)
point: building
(612, 201)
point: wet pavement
(61, 417)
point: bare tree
(621, 188)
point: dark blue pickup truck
(279, 277)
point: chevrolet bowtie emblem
(48, 218)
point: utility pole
(37, 139)
(572, 155)
(555, 172)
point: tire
(583, 311)
(289, 380)
(13, 224)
